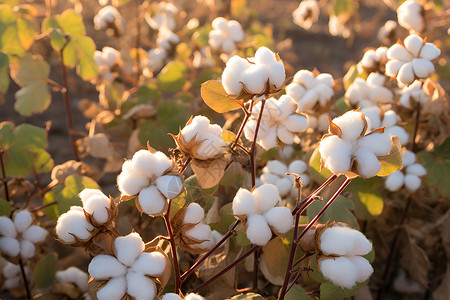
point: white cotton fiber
(86, 193)
(73, 275)
(269, 178)
(296, 123)
(169, 185)
(337, 240)
(351, 124)
(258, 231)
(98, 206)
(398, 52)
(22, 220)
(162, 164)
(7, 227)
(152, 263)
(363, 266)
(378, 143)
(193, 296)
(171, 296)
(422, 67)
(13, 283)
(368, 163)
(244, 203)
(131, 184)
(409, 158)
(297, 166)
(73, 222)
(27, 249)
(144, 163)
(394, 181)
(412, 182)
(255, 78)
(285, 136)
(416, 169)
(140, 286)
(361, 245)
(152, 201)
(9, 246)
(10, 270)
(115, 289)
(276, 167)
(266, 197)
(231, 76)
(340, 271)
(284, 186)
(336, 153)
(198, 126)
(277, 74)
(128, 248)
(398, 132)
(429, 51)
(194, 213)
(406, 74)
(200, 232)
(280, 219)
(393, 66)
(106, 266)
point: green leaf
(367, 200)
(73, 185)
(155, 134)
(173, 115)
(226, 219)
(87, 68)
(31, 73)
(148, 92)
(343, 6)
(296, 293)
(248, 296)
(173, 76)
(51, 211)
(329, 291)
(217, 98)
(70, 22)
(393, 161)
(339, 211)
(5, 208)
(4, 73)
(57, 39)
(45, 270)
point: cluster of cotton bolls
(279, 123)
(338, 26)
(173, 296)
(18, 236)
(410, 15)
(409, 176)
(388, 119)
(79, 222)
(109, 18)
(225, 35)
(373, 60)
(262, 213)
(157, 57)
(343, 263)
(348, 144)
(258, 73)
(75, 276)
(132, 271)
(203, 237)
(306, 14)
(165, 16)
(275, 173)
(106, 60)
(12, 275)
(148, 175)
(388, 32)
(201, 140)
(364, 93)
(411, 60)
(411, 95)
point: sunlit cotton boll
(306, 14)
(340, 271)
(280, 218)
(410, 15)
(194, 214)
(73, 223)
(75, 276)
(225, 35)
(97, 205)
(258, 231)
(244, 203)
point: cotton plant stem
(416, 128)
(5, 184)
(24, 278)
(173, 248)
(138, 42)
(229, 267)
(241, 128)
(186, 163)
(207, 254)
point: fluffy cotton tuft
(7, 227)
(344, 241)
(194, 214)
(75, 276)
(73, 223)
(140, 286)
(340, 271)
(280, 218)
(306, 14)
(23, 220)
(410, 15)
(106, 266)
(258, 231)
(128, 248)
(409, 176)
(244, 203)
(115, 289)
(98, 206)
(225, 35)
(267, 197)
(153, 263)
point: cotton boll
(363, 266)
(171, 296)
(220, 23)
(244, 203)
(231, 76)
(422, 67)
(258, 231)
(169, 185)
(412, 182)
(22, 220)
(351, 124)
(264, 56)
(378, 143)
(235, 30)
(393, 66)
(406, 74)
(153, 263)
(162, 164)
(200, 232)
(228, 46)
(398, 132)
(27, 249)
(9, 246)
(381, 95)
(340, 271)
(266, 196)
(212, 146)
(398, 52)
(277, 74)
(86, 193)
(362, 245)
(72, 223)
(106, 266)
(389, 118)
(280, 218)
(144, 162)
(7, 227)
(337, 240)
(284, 186)
(196, 128)
(128, 248)
(249, 129)
(98, 206)
(368, 163)
(306, 78)
(269, 178)
(131, 184)
(115, 289)
(373, 113)
(285, 136)
(414, 44)
(416, 169)
(285, 105)
(255, 78)
(276, 167)
(296, 91)
(394, 181)
(296, 123)
(73, 275)
(409, 158)
(297, 166)
(152, 201)
(194, 214)
(193, 296)
(12, 283)
(269, 139)
(429, 51)
(336, 153)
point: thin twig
(24, 278)
(45, 206)
(416, 128)
(252, 151)
(5, 184)
(138, 42)
(186, 163)
(176, 266)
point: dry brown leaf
(209, 175)
(443, 291)
(213, 215)
(98, 146)
(416, 262)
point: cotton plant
(280, 122)
(157, 57)
(12, 275)
(411, 59)
(388, 119)
(349, 149)
(410, 15)
(275, 173)
(429, 94)
(191, 232)
(306, 14)
(262, 214)
(190, 296)
(311, 90)
(150, 177)
(225, 35)
(106, 60)
(109, 18)
(133, 270)
(373, 60)
(19, 237)
(75, 276)
(262, 74)
(165, 16)
(409, 176)
(363, 93)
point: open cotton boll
(297, 166)
(363, 266)
(98, 206)
(409, 158)
(73, 275)
(73, 222)
(275, 167)
(194, 214)
(162, 164)
(277, 74)
(193, 296)
(198, 126)
(23, 220)
(280, 218)
(255, 78)
(200, 232)
(235, 31)
(269, 178)
(128, 248)
(228, 46)
(231, 76)
(429, 51)
(258, 231)
(140, 287)
(422, 67)
(153, 263)
(296, 123)
(129, 181)
(27, 249)
(368, 163)
(171, 296)
(285, 136)
(106, 266)
(115, 289)
(169, 185)
(219, 23)
(268, 139)
(144, 163)
(398, 132)
(340, 271)
(152, 201)
(351, 124)
(7, 227)
(399, 52)
(264, 56)
(406, 74)
(412, 182)
(266, 197)
(244, 203)
(9, 246)
(413, 43)
(86, 193)
(410, 15)
(336, 153)
(394, 181)
(416, 169)
(13, 283)
(378, 143)
(337, 240)
(10, 270)
(284, 186)
(212, 146)
(361, 245)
